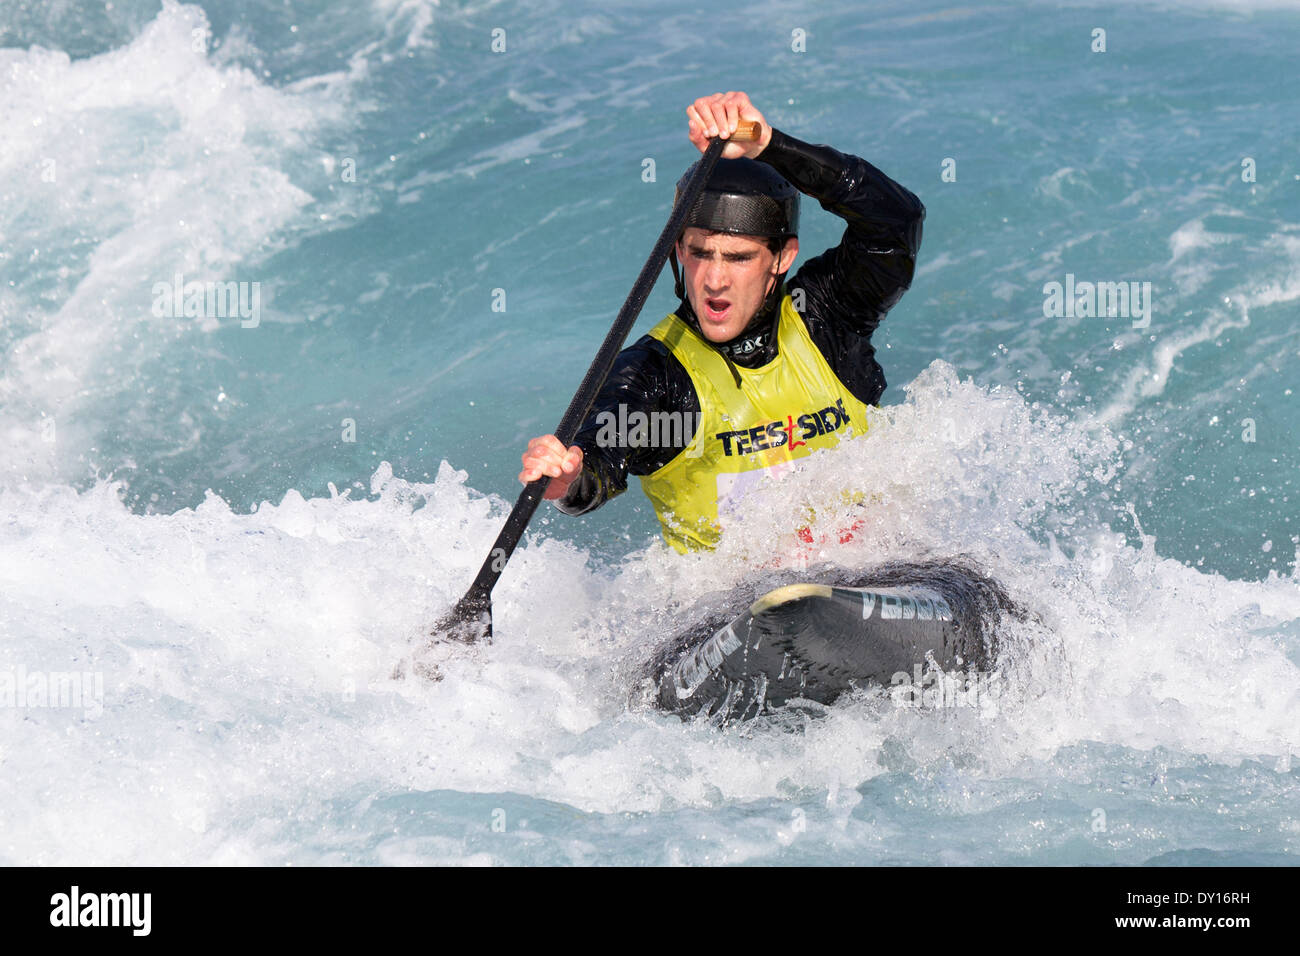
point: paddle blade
(469, 622)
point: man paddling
(755, 372)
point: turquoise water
(242, 526)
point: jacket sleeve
(646, 379)
(853, 284)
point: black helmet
(744, 197)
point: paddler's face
(727, 278)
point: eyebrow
(702, 252)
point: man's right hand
(717, 115)
(546, 456)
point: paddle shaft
(477, 600)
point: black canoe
(813, 640)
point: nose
(716, 276)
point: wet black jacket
(846, 292)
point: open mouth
(717, 310)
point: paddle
(471, 618)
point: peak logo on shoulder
(779, 433)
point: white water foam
(247, 660)
(120, 171)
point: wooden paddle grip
(747, 131)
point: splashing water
(200, 630)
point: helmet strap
(679, 285)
